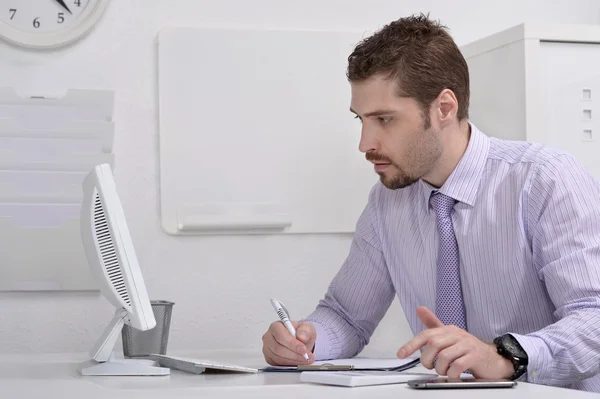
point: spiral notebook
(352, 364)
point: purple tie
(450, 308)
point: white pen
(284, 316)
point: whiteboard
(255, 132)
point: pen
(284, 316)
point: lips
(379, 167)
(379, 161)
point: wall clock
(41, 24)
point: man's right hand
(280, 348)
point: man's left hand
(456, 350)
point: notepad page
(368, 363)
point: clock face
(47, 23)
(41, 16)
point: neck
(455, 145)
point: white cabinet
(539, 83)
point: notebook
(353, 364)
(361, 378)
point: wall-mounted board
(256, 135)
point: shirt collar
(463, 182)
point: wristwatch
(509, 347)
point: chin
(396, 182)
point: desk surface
(57, 376)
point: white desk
(56, 376)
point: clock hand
(62, 3)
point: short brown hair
(421, 55)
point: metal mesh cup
(138, 343)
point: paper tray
(100, 131)
(41, 146)
(83, 162)
(41, 248)
(54, 109)
(40, 186)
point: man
(492, 247)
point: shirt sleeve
(358, 296)
(563, 224)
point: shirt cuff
(539, 357)
(323, 342)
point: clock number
(14, 11)
(61, 17)
(36, 23)
(78, 3)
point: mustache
(373, 156)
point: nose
(368, 141)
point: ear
(447, 107)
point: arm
(563, 224)
(359, 295)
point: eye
(358, 117)
(384, 120)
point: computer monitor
(114, 264)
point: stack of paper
(47, 146)
(367, 371)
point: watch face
(512, 346)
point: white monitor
(113, 261)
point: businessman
(491, 246)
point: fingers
(307, 334)
(428, 318)
(460, 365)
(451, 350)
(281, 348)
(448, 357)
(275, 359)
(434, 346)
(285, 339)
(277, 354)
(416, 343)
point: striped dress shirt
(527, 223)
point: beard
(397, 180)
(421, 156)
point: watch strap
(519, 363)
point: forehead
(374, 93)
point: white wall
(221, 286)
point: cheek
(404, 149)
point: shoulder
(563, 175)
(542, 166)
(522, 152)
(551, 180)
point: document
(356, 364)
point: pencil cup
(143, 343)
